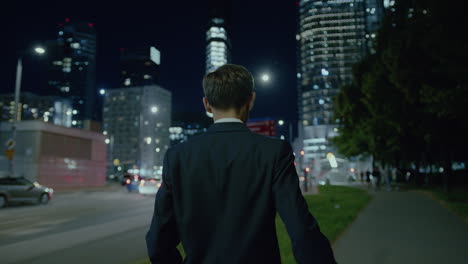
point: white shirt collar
(228, 119)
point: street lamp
(19, 72)
(280, 122)
(102, 92)
(154, 109)
(40, 50)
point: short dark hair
(230, 86)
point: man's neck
(242, 114)
(228, 120)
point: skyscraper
(218, 47)
(139, 66)
(331, 40)
(73, 73)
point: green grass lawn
(334, 208)
(455, 200)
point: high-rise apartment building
(136, 123)
(218, 44)
(73, 72)
(139, 66)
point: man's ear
(252, 101)
(207, 105)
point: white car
(149, 186)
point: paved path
(404, 227)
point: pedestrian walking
(368, 179)
(377, 175)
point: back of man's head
(230, 86)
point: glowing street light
(280, 122)
(265, 77)
(102, 92)
(154, 109)
(39, 50)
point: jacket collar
(228, 126)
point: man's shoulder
(271, 142)
(203, 140)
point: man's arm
(162, 238)
(309, 244)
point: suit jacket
(219, 197)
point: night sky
(262, 35)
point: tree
(407, 102)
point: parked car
(149, 186)
(20, 189)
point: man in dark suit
(221, 190)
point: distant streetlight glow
(325, 72)
(40, 50)
(102, 92)
(265, 77)
(280, 122)
(154, 109)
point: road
(77, 227)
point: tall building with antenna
(218, 44)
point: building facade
(374, 13)
(139, 66)
(136, 122)
(72, 74)
(56, 156)
(332, 36)
(33, 107)
(331, 41)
